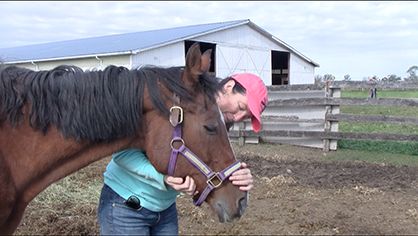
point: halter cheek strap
(200, 165)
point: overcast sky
(358, 38)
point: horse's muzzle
(226, 215)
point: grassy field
(384, 150)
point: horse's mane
(97, 105)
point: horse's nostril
(242, 205)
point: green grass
(380, 94)
(381, 148)
(380, 110)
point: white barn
(237, 46)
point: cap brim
(255, 120)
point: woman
(136, 199)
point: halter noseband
(176, 118)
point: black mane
(99, 105)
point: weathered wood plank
(326, 135)
(295, 87)
(344, 102)
(373, 119)
(290, 119)
(379, 85)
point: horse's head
(196, 138)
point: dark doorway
(279, 68)
(203, 48)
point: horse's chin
(225, 214)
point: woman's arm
(135, 161)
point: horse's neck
(62, 158)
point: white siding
(300, 71)
(166, 56)
(232, 60)
(87, 63)
(242, 36)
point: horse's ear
(206, 61)
(196, 62)
(193, 61)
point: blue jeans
(116, 218)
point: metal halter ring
(173, 140)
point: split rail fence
(308, 115)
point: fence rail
(297, 126)
(332, 101)
(328, 135)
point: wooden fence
(310, 116)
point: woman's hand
(188, 186)
(242, 178)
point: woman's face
(233, 106)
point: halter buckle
(209, 181)
(176, 115)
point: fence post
(327, 123)
(372, 93)
(241, 138)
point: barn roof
(128, 43)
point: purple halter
(176, 118)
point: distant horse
(56, 122)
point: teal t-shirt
(130, 173)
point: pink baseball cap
(256, 96)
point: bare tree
(412, 71)
(328, 78)
(347, 77)
(318, 79)
(392, 78)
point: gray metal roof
(129, 43)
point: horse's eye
(212, 129)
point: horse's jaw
(225, 213)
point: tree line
(412, 76)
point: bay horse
(56, 122)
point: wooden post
(372, 93)
(327, 123)
(241, 138)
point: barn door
(232, 60)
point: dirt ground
(296, 191)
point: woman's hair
(237, 87)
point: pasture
(297, 190)
(409, 148)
